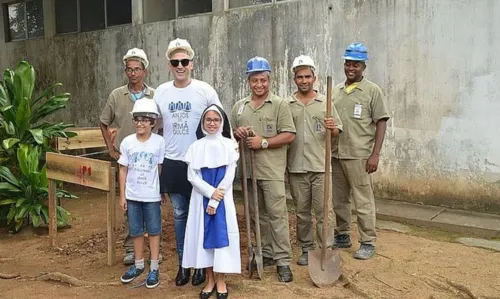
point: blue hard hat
(258, 64)
(356, 51)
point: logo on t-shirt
(179, 106)
(180, 116)
(143, 164)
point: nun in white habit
(212, 237)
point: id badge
(319, 127)
(357, 110)
(240, 110)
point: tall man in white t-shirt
(181, 103)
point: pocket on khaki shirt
(269, 128)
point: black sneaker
(131, 274)
(153, 279)
(342, 241)
(284, 274)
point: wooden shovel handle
(328, 148)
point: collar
(269, 98)
(359, 86)
(147, 90)
(319, 97)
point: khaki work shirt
(268, 120)
(307, 152)
(117, 110)
(359, 111)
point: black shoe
(285, 274)
(342, 241)
(303, 259)
(199, 277)
(206, 295)
(182, 276)
(223, 295)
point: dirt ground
(420, 264)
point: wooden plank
(86, 138)
(111, 218)
(52, 214)
(78, 170)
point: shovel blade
(259, 262)
(327, 275)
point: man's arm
(107, 140)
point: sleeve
(108, 112)
(336, 119)
(213, 97)
(161, 153)
(198, 183)
(232, 117)
(285, 119)
(123, 160)
(379, 110)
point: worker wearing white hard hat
(116, 114)
(356, 152)
(306, 155)
(181, 102)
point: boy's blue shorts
(144, 215)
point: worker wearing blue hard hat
(269, 119)
(356, 152)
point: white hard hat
(177, 44)
(145, 107)
(137, 54)
(303, 60)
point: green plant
(27, 193)
(25, 138)
(21, 113)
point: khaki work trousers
(308, 194)
(273, 217)
(351, 181)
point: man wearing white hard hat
(306, 155)
(116, 113)
(181, 102)
(356, 153)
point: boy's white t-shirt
(142, 160)
(181, 110)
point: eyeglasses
(130, 70)
(142, 121)
(184, 62)
(213, 120)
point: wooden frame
(87, 138)
(87, 172)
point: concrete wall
(435, 60)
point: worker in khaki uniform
(269, 117)
(306, 155)
(116, 112)
(361, 107)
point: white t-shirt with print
(142, 160)
(181, 110)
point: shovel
(324, 264)
(254, 253)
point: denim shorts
(144, 217)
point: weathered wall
(435, 60)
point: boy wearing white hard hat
(181, 102)
(306, 155)
(116, 113)
(140, 164)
